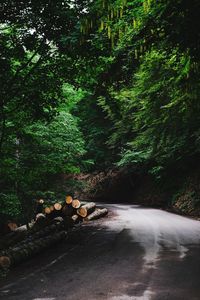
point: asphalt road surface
(134, 253)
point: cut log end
(76, 203)
(57, 206)
(41, 201)
(47, 210)
(12, 226)
(51, 208)
(5, 262)
(69, 199)
(82, 212)
(87, 208)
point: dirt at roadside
(119, 186)
(187, 199)
(180, 194)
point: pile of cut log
(72, 211)
(51, 225)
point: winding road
(135, 253)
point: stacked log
(34, 242)
(22, 234)
(53, 211)
(75, 210)
(19, 253)
(51, 225)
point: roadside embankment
(125, 186)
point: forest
(88, 86)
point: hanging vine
(108, 16)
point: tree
(33, 39)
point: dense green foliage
(90, 85)
(148, 87)
(39, 137)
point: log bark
(98, 213)
(32, 235)
(86, 209)
(68, 210)
(40, 206)
(22, 252)
(15, 236)
(76, 219)
(22, 228)
(21, 244)
(41, 220)
(12, 238)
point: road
(135, 253)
